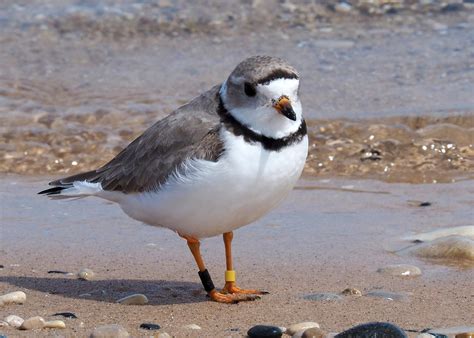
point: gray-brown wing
(189, 132)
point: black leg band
(206, 280)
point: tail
(76, 186)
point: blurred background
(387, 85)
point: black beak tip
(289, 113)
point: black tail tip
(52, 191)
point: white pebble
(136, 299)
(3, 323)
(192, 327)
(86, 274)
(17, 297)
(164, 335)
(292, 329)
(14, 321)
(55, 324)
(33, 323)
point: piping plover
(218, 163)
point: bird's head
(262, 93)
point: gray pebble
(292, 329)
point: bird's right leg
(206, 280)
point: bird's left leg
(230, 286)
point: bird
(215, 164)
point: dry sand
(327, 236)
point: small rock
(313, 332)
(17, 297)
(192, 327)
(110, 331)
(388, 295)
(58, 272)
(351, 292)
(3, 323)
(452, 331)
(376, 329)
(65, 314)
(55, 324)
(292, 329)
(135, 299)
(264, 331)
(323, 297)
(86, 274)
(14, 321)
(150, 326)
(425, 335)
(163, 335)
(424, 204)
(343, 7)
(33, 323)
(400, 270)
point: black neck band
(269, 143)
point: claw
(231, 298)
(231, 288)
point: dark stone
(424, 204)
(454, 7)
(373, 330)
(58, 271)
(65, 314)
(264, 331)
(150, 326)
(1, 266)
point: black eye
(249, 89)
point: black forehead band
(277, 74)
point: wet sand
(327, 236)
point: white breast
(210, 198)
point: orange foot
(231, 288)
(231, 298)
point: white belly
(211, 198)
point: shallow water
(388, 99)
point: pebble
(86, 274)
(313, 332)
(3, 323)
(292, 329)
(150, 326)
(388, 295)
(17, 297)
(372, 330)
(323, 296)
(425, 335)
(351, 292)
(267, 331)
(135, 299)
(192, 327)
(65, 314)
(33, 323)
(343, 7)
(109, 331)
(400, 270)
(451, 247)
(59, 272)
(465, 335)
(14, 321)
(55, 324)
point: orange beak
(283, 106)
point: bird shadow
(158, 292)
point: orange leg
(230, 287)
(194, 246)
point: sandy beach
(388, 99)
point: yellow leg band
(230, 276)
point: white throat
(265, 119)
